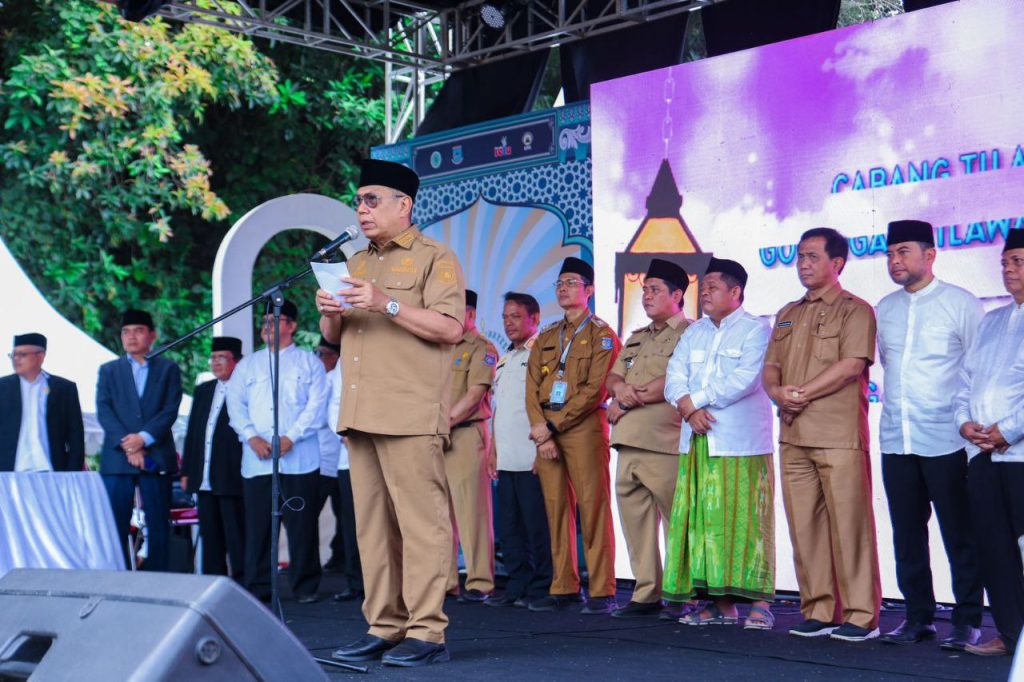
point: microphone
(348, 234)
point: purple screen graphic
(918, 116)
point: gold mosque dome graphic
(662, 234)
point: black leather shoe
(308, 598)
(597, 606)
(635, 609)
(473, 597)
(960, 637)
(366, 649)
(555, 602)
(415, 652)
(503, 600)
(909, 633)
(348, 594)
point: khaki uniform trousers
(580, 476)
(827, 494)
(465, 463)
(404, 532)
(645, 484)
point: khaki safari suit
(826, 473)
(394, 411)
(647, 440)
(580, 474)
(465, 461)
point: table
(57, 520)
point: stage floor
(518, 644)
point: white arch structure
(236, 257)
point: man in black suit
(40, 416)
(136, 404)
(212, 466)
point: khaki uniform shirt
(645, 357)
(395, 382)
(586, 368)
(473, 364)
(810, 335)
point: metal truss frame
(420, 44)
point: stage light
(138, 10)
(493, 15)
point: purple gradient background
(759, 135)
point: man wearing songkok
(40, 416)
(211, 466)
(924, 331)
(522, 521)
(302, 395)
(330, 448)
(990, 414)
(137, 403)
(721, 542)
(465, 459)
(405, 304)
(645, 432)
(565, 395)
(816, 372)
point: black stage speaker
(113, 626)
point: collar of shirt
(136, 364)
(403, 239)
(672, 322)
(42, 379)
(730, 319)
(570, 325)
(527, 345)
(925, 292)
(829, 296)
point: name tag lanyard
(565, 350)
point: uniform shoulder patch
(606, 343)
(490, 359)
(598, 322)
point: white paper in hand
(328, 276)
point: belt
(552, 408)
(464, 424)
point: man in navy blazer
(136, 404)
(40, 416)
(211, 465)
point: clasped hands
(700, 420)
(988, 438)
(361, 294)
(791, 401)
(263, 449)
(627, 396)
(543, 438)
(134, 449)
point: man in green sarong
(722, 530)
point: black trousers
(997, 504)
(155, 490)
(222, 528)
(913, 484)
(523, 528)
(328, 488)
(353, 568)
(301, 521)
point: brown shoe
(993, 647)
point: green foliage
(128, 150)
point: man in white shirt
(348, 550)
(924, 331)
(522, 520)
(211, 466)
(329, 443)
(721, 541)
(303, 392)
(990, 413)
(40, 416)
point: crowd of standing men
(406, 431)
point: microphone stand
(275, 294)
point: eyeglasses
(372, 200)
(19, 354)
(569, 283)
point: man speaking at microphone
(405, 303)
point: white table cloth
(56, 520)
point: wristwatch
(392, 308)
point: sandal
(716, 617)
(759, 618)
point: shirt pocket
(729, 359)
(578, 361)
(296, 390)
(825, 342)
(399, 286)
(934, 342)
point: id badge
(558, 391)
